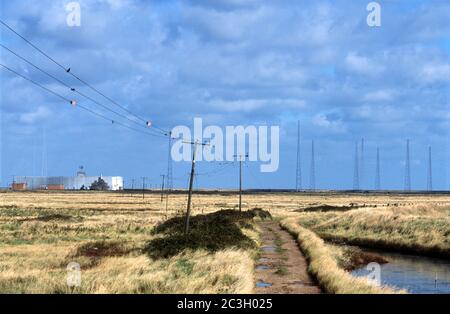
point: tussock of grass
(350, 258)
(90, 254)
(102, 249)
(212, 232)
(58, 217)
(329, 208)
(324, 267)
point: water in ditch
(416, 274)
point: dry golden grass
(40, 231)
(420, 229)
(41, 269)
(324, 267)
(277, 203)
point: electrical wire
(71, 88)
(68, 70)
(77, 105)
(219, 170)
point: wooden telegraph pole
(143, 187)
(162, 187)
(240, 179)
(191, 180)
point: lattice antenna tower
(407, 168)
(312, 177)
(298, 176)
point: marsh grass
(350, 257)
(107, 234)
(423, 230)
(324, 266)
(40, 232)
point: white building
(69, 183)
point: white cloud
(379, 113)
(362, 65)
(331, 125)
(267, 59)
(40, 113)
(223, 25)
(436, 73)
(379, 95)
(249, 105)
(237, 105)
(117, 4)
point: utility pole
(240, 179)
(191, 181)
(167, 202)
(162, 187)
(132, 187)
(169, 177)
(143, 187)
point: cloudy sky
(231, 62)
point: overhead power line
(31, 44)
(68, 70)
(72, 88)
(73, 103)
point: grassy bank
(42, 269)
(423, 230)
(324, 265)
(123, 244)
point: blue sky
(232, 63)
